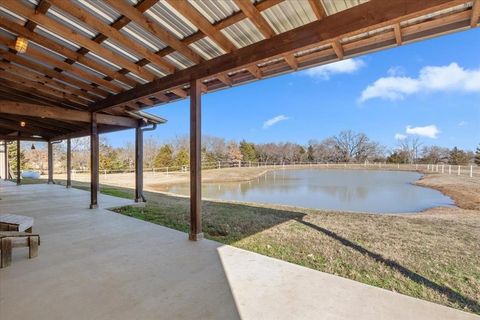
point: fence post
(449, 169)
(443, 168)
(167, 171)
(105, 173)
(437, 168)
(471, 171)
(398, 165)
(428, 167)
(239, 163)
(250, 164)
(458, 171)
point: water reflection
(349, 190)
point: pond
(343, 190)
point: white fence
(469, 170)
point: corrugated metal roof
(334, 6)
(170, 19)
(243, 33)
(288, 15)
(215, 10)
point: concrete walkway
(96, 264)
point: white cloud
(430, 131)
(274, 120)
(400, 136)
(442, 78)
(462, 123)
(344, 66)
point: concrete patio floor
(96, 264)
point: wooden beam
(255, 71)
(43, 80)
(136, 16)
(198, 20)
(225, 79)
(139, 165)
(50, 162)
(71, 55)
(41, 111)
(291, 61)
(69, 163)
(318, 9)
(112, 33)
(62, 30)
(195, 162)
(20, 137)
(398, 33)
(52, 73)
(254, 15)
(337, 47)
(369, 15)
(475, 13)
(179, 92)
(94, 161)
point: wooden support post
(6, 159)
(19, 179)
(94, 162)
(50, 162)
(139, 165)
(69, 163)
(195, 162)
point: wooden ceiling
(115, 56)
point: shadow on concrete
(452, 295)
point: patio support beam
(50, 162)
(5, 146)
(195, 161)
(139, 165)
(69, 163)
(19, 180)
(94, 161)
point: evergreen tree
(182, 158)
(458, 157)
(477, 156)
(248, 151)
(164, 157)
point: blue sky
(429, 89)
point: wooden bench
(15, 239)
(14, 222)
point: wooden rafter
(35, 110)
(318, 9)
(398, 33)
(374, 14)
(291, 61)
(337, 47)
(254, 15)
(67, 33)
(475, 13)
(72, 56)
(197, 19)
(52, 73)
(110, 32)
(179, 92)
(135, 15)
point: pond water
(345, 190)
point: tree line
(345, 147)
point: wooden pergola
(84, 67)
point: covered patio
(71, 69)
(96, 264)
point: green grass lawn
(435, 257)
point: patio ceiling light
(21, 45)
(23, 123)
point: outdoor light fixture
(21, 45)
(23, 123)
(33, 147)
